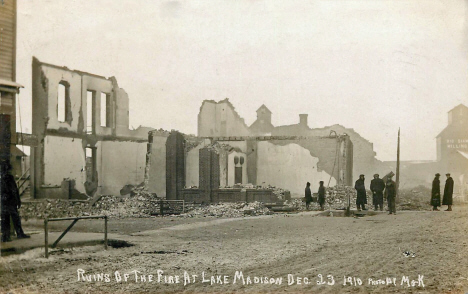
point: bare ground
(275, 246)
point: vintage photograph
(220, 146)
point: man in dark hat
(308, 195)
(10, 202)
(448, 193)
(321, 195)
(361, 199)
(435, 194)
(377, 187)
(390, 192)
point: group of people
(10, 203)
(378, 188)
(320, 198)
(448, 193)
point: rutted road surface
(420, 252)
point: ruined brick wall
(220, 119)
(155, 173)
(295, 160)
(364, 161)
(64, 141)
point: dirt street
(278, 253)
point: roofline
(82, 73)
(10, 84)
(461, 104)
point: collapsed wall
(225, 162)
(85, 145)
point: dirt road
(279, 253)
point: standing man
(390, 191)
(308, 195)
(435, 193)
(321, 195)
(377, 187)
(361, 199)
(10, 202)
(448, 193)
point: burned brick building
(81, 122)
(220, 119)
(214, 165)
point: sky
(370, 65)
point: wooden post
(46, 239)
(64, 233)
(397, 182)
(161, 209)
(105, 232)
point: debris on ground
(137, 203)
(141, 203)
(417, 198)
(229, 210)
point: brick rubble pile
(229, 210)
(417, 198)
(139, 203)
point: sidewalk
(71, 239)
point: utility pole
(398, 168)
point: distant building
(452, 155)
(452, 142)
(263, 125)
(452, 147)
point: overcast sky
(371, 65)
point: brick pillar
(252, 160)
(209, 175)
(215, 171)
(175, 166)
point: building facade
(452, 147)
(85, 146)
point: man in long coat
(390, 192)
(361, 199)
(377, 187)
(308, 195)
(435, 194)
(321, 195)
(448, 193)
(10, 202)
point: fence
(162, 207)
(75, 220)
